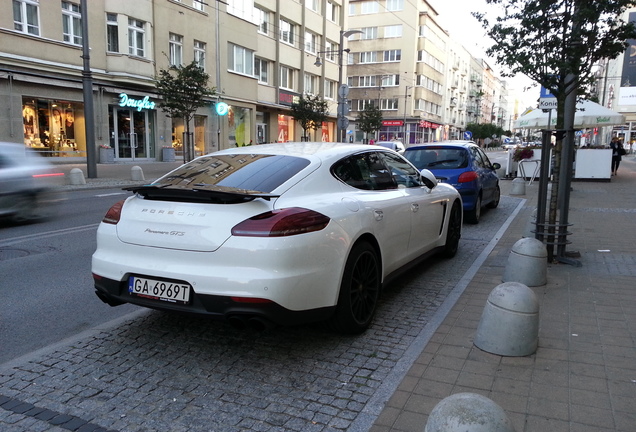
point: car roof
(446, 144)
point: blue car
(464, 165)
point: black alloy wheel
(473, 215)
(359, 291)
(454, 231)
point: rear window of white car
(256, 172)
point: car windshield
(254, 172)
(437, 158)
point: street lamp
(343, 90)
(406, 96)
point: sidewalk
(583, 375)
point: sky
(455, 16)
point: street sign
(343, 91)
(343, 122)
(546, 99)
(468, 135)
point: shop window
(50, 127)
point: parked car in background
(393, 145)
(28, 184)
(465, 166)
(281, 234)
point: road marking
(111, 194)
(21, 239)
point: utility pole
(87, 85)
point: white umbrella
(588, 115)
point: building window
(369, 7)
(314, 5)
(330, 89)
(71, 23)
(287, 32)
(368, 57)
(240, 60)
(331, 49)
(311, 41)
(392, 55)
(262, 20)
(333, 12)
(393, 31)
(25, 16)
(198, 4)
(390, 80)
(311, 84)
(369, 33)
(261, 68)
(286, 78)
(176, 49)
(136, 34)
(199, 53)
(389, 104)
(112, 33)
(394, 5)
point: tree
(556, 43)
(481, 131)
(370, 119)
(183, 90)
(310, 112)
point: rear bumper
(219, 307)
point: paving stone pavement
(152, 371)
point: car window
(485, 158)
(364, 171)
(256, 172)
(404, 174)
(437, 158)
(477, 156)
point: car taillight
(281, 223)
(467, 176)
(114, 213)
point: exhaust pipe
(237, 322)
(260, 324)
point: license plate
(171, 292)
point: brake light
(281, 223)
(48, 175)
(467, 176)
(114, 213)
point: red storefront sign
(392, 123)
(427, 124)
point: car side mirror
(428, 178)
(496, 165)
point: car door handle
(379, 215)
(415, 207)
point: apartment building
(427, 85)
(260, 56)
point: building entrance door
(131, 131)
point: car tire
(473, 215)
(359, 291)
(495, 199)
(454, 231)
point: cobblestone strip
(54, 418)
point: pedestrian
(617, 152)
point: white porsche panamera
(276, 234)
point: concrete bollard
(472, 412)
(76, 177)
(136, 173)
(527, 263)
(518, 187)
(509, 324)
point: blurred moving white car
(27, 184)
(281, 234)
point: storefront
(131, 128)
(54, 127)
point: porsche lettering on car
(277, 234)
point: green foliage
(547, 40)
(370, 119)
(310, 112)
(183, 89)
(484, 130)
